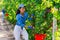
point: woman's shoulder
(18, 15)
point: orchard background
(43, 11)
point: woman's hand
(30, 27)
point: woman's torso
(22, 18)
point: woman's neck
(22, 14)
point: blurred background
(42, 11)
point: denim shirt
(21, 19)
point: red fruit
(40, 36)
(36, 36)
(6, 14)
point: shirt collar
(21, 15)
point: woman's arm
(27, 17)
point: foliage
(43, 11)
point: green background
(42, 21)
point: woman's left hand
(30, 27)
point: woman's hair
(18, 11)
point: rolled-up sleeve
(27, 17)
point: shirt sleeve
(27, 17)
(19, 20)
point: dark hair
(18, 11)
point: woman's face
(22, 10)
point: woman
(3, 11)
(19, 29)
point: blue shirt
(21, 19)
